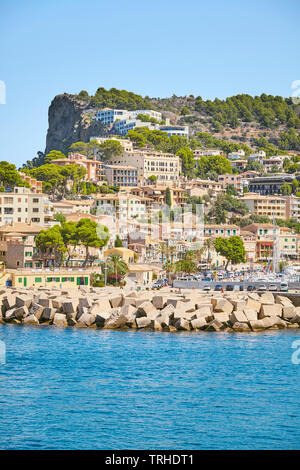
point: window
(19, 279)
(37, 279)
(35, 209)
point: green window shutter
(63, 279)
(20, 279)
(49, 279)
(57, 279)
(72, 279)
(78, 281)
(86, 281)
(38, 279)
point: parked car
(241, 287)
(262, 288)
(272, 287)
(284, 286)
(229, 287)
(206, 288)
(250, 288)
(218, 287)
(158, 283)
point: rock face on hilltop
(70, 120)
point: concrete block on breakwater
(112, 308)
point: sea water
(65, 388)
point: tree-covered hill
(242, 118)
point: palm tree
(116, 266)
(208, 245)
(169, 267)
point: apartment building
(265, 205)
(23, 206)
(165, 166)
(236, 155)
(207, 152)
(257, 156)
(221, 230)
(94, 168)
(267, 185)
(240, 164)
(292, 207)
(175, 130)
(109, 116)
(121, 206)
(17, 245)
(230, 180)
(157, 195)
(121, 175)
(36, 186)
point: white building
(165, 166)
(109, 116)
(238, 154)
(24, 206)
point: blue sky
(209, 48)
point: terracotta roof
(21, 227)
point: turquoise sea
(99, 389)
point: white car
(206, 288)
(272, 287)
(262, 288)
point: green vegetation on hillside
(119, 99)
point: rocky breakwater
(166, 311)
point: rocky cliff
(70, 120)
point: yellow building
(265, 205)
(60, 278)
(126, 254)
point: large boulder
(182, 324)
(36, 310)
(21, 312)
(240, 326)
(23, 300)
(288, 311)
(198, 323)
(221, 317)
(269, 310)
(86, 319)
(238, 316)
(116, 320)
(70, 306)
(267, 298)
(101, 306)
(147, 309)
(222, 305)
(31, 320)
(101, 318)
(116, 300)
(159, 301)
(9, 301)
(143, 322)
(47, 314)
(60, 320)
(42, 299)
(250, 314)
(215, 325)
(238, 305)
(253, 304)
